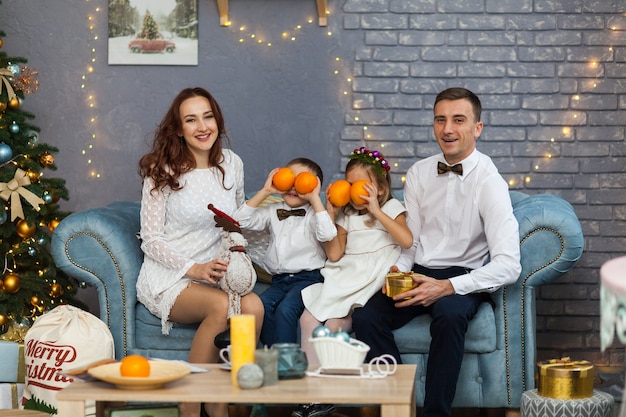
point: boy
(295, 252)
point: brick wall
(551, 75)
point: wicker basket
(336, 353)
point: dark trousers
(374, 322)
(283, 306)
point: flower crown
(373, 158)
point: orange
(339, 193)
(305, 182)
(357, 190)
(283, 179)
(135, 366)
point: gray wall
(551, 74)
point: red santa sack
(61, 339)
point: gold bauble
(1, 43)
(56, 290)
(25, 229)
(3, 319)
(11, 283)
(53, 224)
(34, 301)
(14, 103)
(32, 175)
(3, 106)
(47, 159)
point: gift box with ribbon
(565, 379)
(13, 367)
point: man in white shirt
(466, 244)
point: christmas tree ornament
(47, 197)
(3, 216)
(33, 176)
(15, 190)
(34, 300)
(56, 290)
(3, 106)
(14, 103)
(42, 240)
(11, 283)
(14, 68)
(53, 224)
(4, 83)
(14, 128)
(321, 331)
(32, 251)
(3, 319)
(33, 138)
(47, 159)
(6, 153)
(1, 42)
(27, 81)
(25, 229)
(341, 335)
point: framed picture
(148, 32)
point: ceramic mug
(225, 355)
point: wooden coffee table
(395, 393)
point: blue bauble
(321, 331)
(341, 335)
(6, 153)
(33, 138)
(14, 128)
(3, 216)
(14, 68)
(47, 197)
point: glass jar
(292, 361)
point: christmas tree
(150, 29)
(30, 284)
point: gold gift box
(565, 379)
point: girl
(187, 169)
(368, 242)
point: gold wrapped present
(565, 379)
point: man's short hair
(458, 93)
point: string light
(90, 100)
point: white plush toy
(240, 276)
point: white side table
(613, 306)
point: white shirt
(295, 242)
(462, 220)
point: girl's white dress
(178, 230)
(360, 273)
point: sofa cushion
(148, 332)
(480, 336)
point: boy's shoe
(313, 410)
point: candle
(267, 359)
(242, 341)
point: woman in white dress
(187, 169)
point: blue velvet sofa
(100, 247)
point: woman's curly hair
(170, 157)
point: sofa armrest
(551, 242)
(100, 247)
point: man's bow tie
(443, 168)
(283, 214)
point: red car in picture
(160, 44)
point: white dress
(360, 273)
(178, 230)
